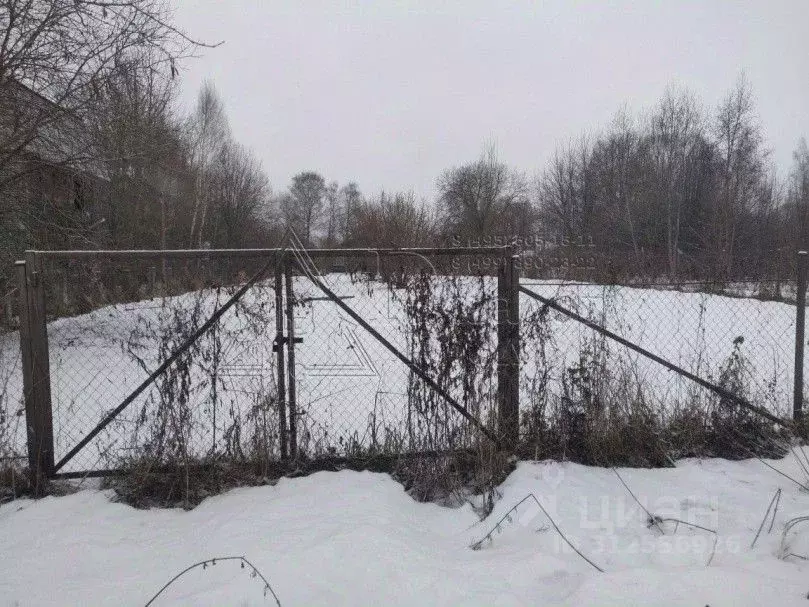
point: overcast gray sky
(389, 94)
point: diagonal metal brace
(412, 365)
(164, 365)
(742, 402)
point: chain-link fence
(576, 380)
(276, 354)
(114, 320)
(12, 408)
(354, 395)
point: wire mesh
(739, 340)
(355, 396)
(12, 407)
(111, 322)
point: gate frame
(508, 348)
(35, 353)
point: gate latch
(283, 340)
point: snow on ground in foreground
(353, 538)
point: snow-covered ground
(353, 538)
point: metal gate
(289, 354)
(200, 355)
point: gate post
(290, 343)
(36, 371)
(278, 347)
(800, 341)
(508, 349)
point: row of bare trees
(172, 181)
(333, 216)
(680, 191)
(94, 152)
(692, 189)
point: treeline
(95, 152)
(680, 191)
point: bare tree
(352, 200)
(334, 212)
(134, 131)
(303, 206)
(676, 132)
(556, 192)
(62, 51)
(620, 174)
(210, 133)
(741, 156)
(798, 195)
(240, 191)
(474, 196)
(561, 187)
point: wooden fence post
(508, 349)
(800, 341)
(36, 370)
(27, 381)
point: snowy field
(349, 387)
(353, 538)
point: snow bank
(353, 538)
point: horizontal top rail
(224, 253)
